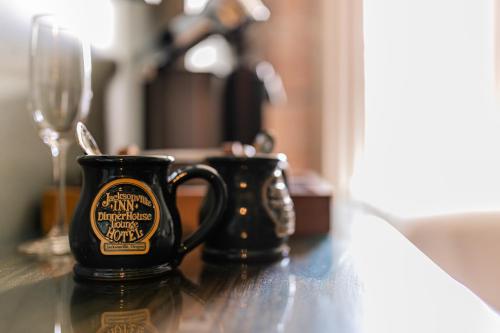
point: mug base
(244, 255)
(120, 274)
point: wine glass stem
(59, 150)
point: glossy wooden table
(365, 278)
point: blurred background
(166, 76)
(394, 102)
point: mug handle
(209, 174)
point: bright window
(432, 128)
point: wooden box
(312, 197)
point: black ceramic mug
(260, 214)
(126, 225)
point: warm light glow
(91, 19)
(194, 7)
(272, 81)
(261, 13)
(202, 57)
(212, 55)
(256, 9)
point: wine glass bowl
(60, 78)
(60, 95)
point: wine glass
(60, 70)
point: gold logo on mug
(124, 216)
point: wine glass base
(48, 246)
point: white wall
(125, 103)
(25, 163)
(342, 91)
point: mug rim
(124, 159)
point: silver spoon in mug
(86, 140)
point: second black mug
(260, 214)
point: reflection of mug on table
(129, 307)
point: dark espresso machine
(206, 85)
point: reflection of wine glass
(60, 96)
